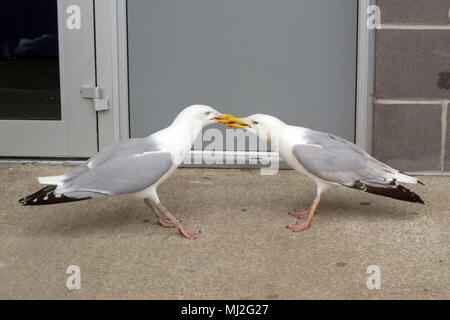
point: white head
(198, 116)
(266, 127)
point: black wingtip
(47, 196)
(37, 197)
(398, 192)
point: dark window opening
(29, 60)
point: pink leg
(166, 223)
(301, 226)
(188, 234)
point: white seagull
(135, 166)
(328, 160)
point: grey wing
(337, 160)
(94, 161)
(129, 146)
(121, 168)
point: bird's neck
(273, 135)
(180, 135)
(186, 129)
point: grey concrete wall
(412, 85)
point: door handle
(95, 93)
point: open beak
(231, 121)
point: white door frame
(112, 69)
(112, 75)
(364, 79)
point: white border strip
(232, 157)
(43, 162)
(412, 101)
(194, 155)
(414, 27)
(260, 155)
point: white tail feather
(53, 180)
(405, 178)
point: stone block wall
(412, 85)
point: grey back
(126, 167)
(337, 160)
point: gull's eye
(255, 122)
(207, 112)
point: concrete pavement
(244, 250)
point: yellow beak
(231, 121)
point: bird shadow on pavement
(123, 214)
(91, 217)
(353, 204)
(397, 210)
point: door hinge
(95, 93)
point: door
(46, 54)
(293, 59)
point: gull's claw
(298, 227)
(166, 223)
(188, 234)
(299, 213)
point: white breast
(290, 137)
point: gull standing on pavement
(136, 166)
(326, 159)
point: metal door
(293, 59)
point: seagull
(135, 166)
(328, 160)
